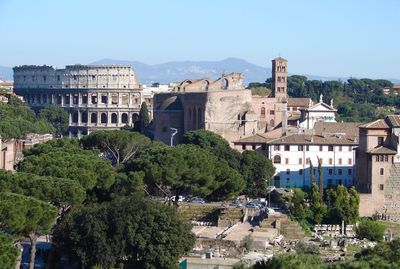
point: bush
(371, 230)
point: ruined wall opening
(84, 117)
(224, 84)
(124, 118)
(93, 118)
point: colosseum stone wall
(96, 97)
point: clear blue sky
(358, 38)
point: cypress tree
(143, 122)
(320, 181)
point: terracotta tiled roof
(348, 128)
(261, 138)
(393, 120)
(378, 124)
(382, 150)
(306, 139)
(298, 102)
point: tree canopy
(64, 159)
(18, 120)
(58, 191)
(57, 116)
(148, 234)
(8, 252)
(187, 169)
(119, 146)
(215, 144)
(257, 170)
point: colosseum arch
(124, 118)
(135, 117)
(84, 116)
(75, 116)
(93, 117)
(114, 118)
(103, 117)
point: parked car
(198, 200)
(253, 206)
(180, 199)
(236, 203)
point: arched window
(114, 118)
(277, 159)
(224, 84)
(103, 118)
(263, 112)
(124, 118)
(93, 118)
(272, 123)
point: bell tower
(279, 79)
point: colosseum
(96, 97)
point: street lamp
(174, 131)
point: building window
(350, 148)
(44, 78)
(340, 148)
(307, 148)
(243, 146)
(75, 77)
(350, 161)
(330, 148)
(263, 112)
(307, 161)
(286, 160)
(300, 161)
(277, 147)
(330, 171)
(321, 148)
(253, 147)
(330, 161)
(381, 171)
(287, 171)
(381, 187)
(349, 172)
(340, 182)
(277, 159)
(301, 172)
(386, 158)
(381, 158)
(380, 140)
(300, 148)
(340, 172)
(272, 112)
(340, 160)
(287, 148)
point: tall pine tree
(320, 180)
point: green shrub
(371, 230)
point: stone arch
(103, 117)
(277, 159)
(224, 84)
(124, 118)
(75, 116)
(84, 116)
(135, 117)
(93, 117)
(114, 118)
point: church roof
(298, 102)
(314, 107)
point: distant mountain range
(181, 70)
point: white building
(332, 144)
(320, 112)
